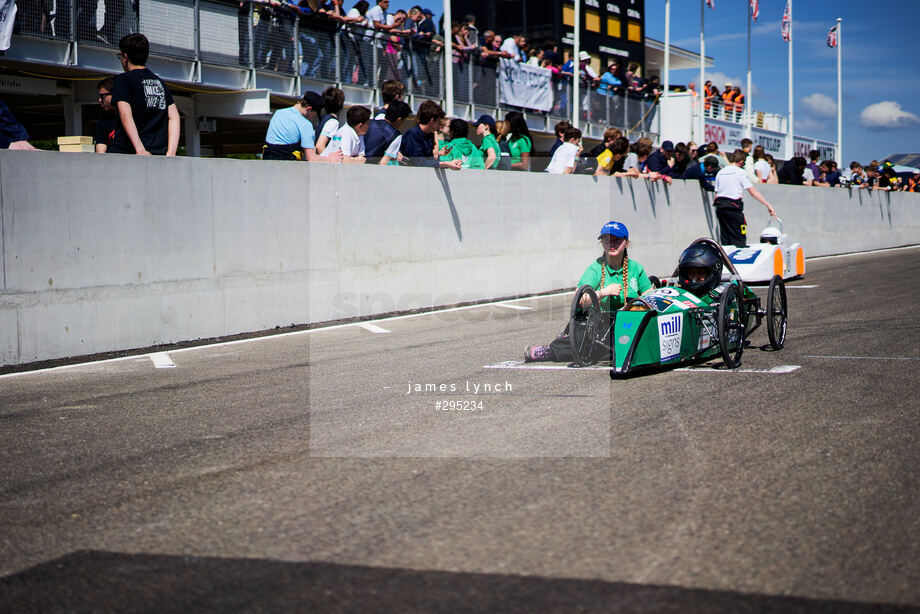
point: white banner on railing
(523, 85)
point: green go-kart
(669, 326)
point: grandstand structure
(230, 64)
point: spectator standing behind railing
(148, 121)
(610, 160)
(423, 32)
(12, 134)
(383, 138)
(761, 166)
(458, 147)
(773, 178)
(660, 161)
(512, 46)
(349, 138)
(418, 142)
(705, 172)
(563, 162)
(517, 134)
(681, 160)
(813, 156)
(108, 123)
(290, 134)
(462, 47)
(559, 129)
(390, 90)
(333, 101)
(609, 82)
(793, 171)
(486, 129)
(746, 146)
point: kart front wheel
(776, 313)
(585, 326)
(731, 320)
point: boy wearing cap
(614, 278)
(290, 134)
(485, 127)
(659, 161)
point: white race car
(772, 256)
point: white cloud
(887, 115)
(820, 105)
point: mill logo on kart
(669, 336)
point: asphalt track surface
(305, 473)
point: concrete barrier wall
(117, 252)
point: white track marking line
(791, 286)
(871, 251)
(776, 369)
(161, 360)
(295, 333)
(373, 328)
(865, 357)
(510, 306)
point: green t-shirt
(638, 281)
(464, 149)
(490, 142)
(519, 146)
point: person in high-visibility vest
(727, 103)
(738, 99)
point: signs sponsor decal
(669, 336)
(745, 255)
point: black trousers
(732, 225)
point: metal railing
(263, 38)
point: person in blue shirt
(291, 132)
(609, 81)
(657, 161)
(12, 134)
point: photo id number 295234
(457, 405)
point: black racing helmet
(700, 256)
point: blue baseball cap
(614, 229)
(488, 120)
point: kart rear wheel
(776, 313)
(585, 326)
(731, 319)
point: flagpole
(747, 99)
(790, 136)
(448, 63)
(839, 92)
(701, 87)
(576, 68)
(665, 107)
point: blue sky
(881, 64)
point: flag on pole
(787, 22)
(710, 3)
(832, 36)
(755, 9)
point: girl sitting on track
(608, 275)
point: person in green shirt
(457, 147)
(614, 277)
(518, 136)
(485, 127)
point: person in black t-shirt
(148, 118)
(105, 127)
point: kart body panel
(773, 255)
(666, 327)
